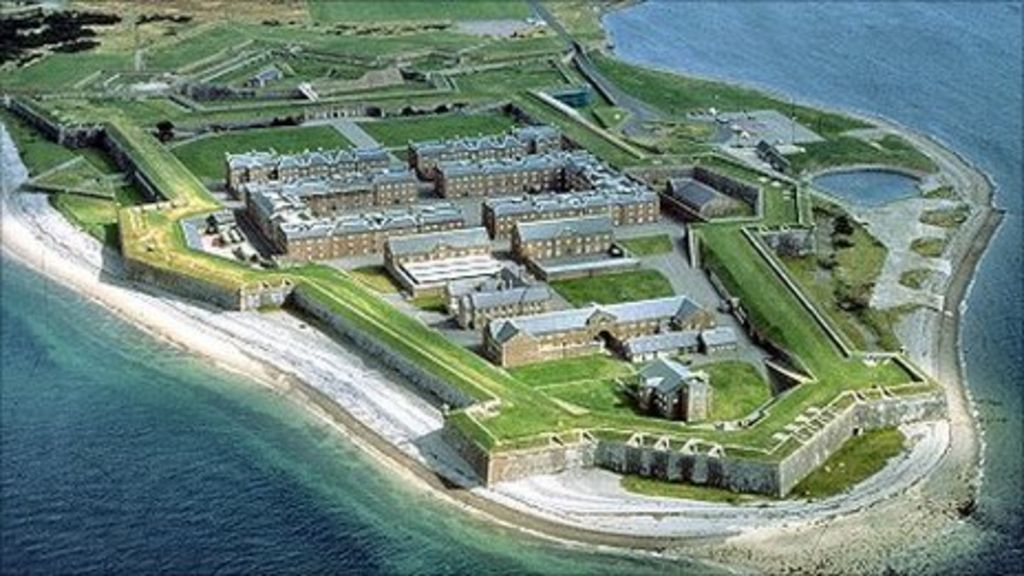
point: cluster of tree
(63, 31)
(175, 18)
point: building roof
(566, 227)
(517, 139)
(665, 342)
(423, 243)
(468, 168)
(675, 308)
(565, 201)
(693, 193)
(668, 376)
(270, 159)
(720, 336)
(508, 296)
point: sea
(122, 454)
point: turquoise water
(122, 455)
(953, 70)
(868, 187)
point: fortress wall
(731, 473)
(552, 459)
(182, 284)
(417, 375)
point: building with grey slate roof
(668, 389)
(533, 173)
(718, 339)
(294, 230)
(646, 348)
(588, 330)
(262, 166)
(345, 192)
(623, 206)
(425, 156)
(702, 194)
(508, 293)
(546, 239)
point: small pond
(868, 187)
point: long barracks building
(589, 330)
(624, 207)
(295, 231)
(425, 156)
(266, 166)
(341, 193)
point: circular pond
(868, 187)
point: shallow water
(868, 187)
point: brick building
(625, 207)
(508, 293)
(534, 173)
(425, 156)
(342, 193)
(269, 165)
(548, 239)
(589, 330)
(668, 389)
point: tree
(165, 130)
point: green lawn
(648, 245)
(205, 156)
(677, 95)
(60, 71)
(840, 277)
(601, 397)
(326, 11)
(929, 247)
(80, 175)
(737, 389)
(38, 153)
(191, 47)
(96, 216)
(375, 277)
(588, 368)
(399, 131)
(946, 217)
(504, 81)
(859, 458)
(614, 288)
(915, 278)
(652, 487)
(845, 150)
(431, 303)
(610, 116)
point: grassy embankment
(858, 459)
(678, 95)
(398, 132)
(204, 157)
(648, 245)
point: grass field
(205, 156)
(858, 459)
(38, 153)
(326, 11)
(946, 217)
(614, 288)
(398, 132)
(610, 116)
(929, 247)
(737, 389)
(845, 150)
(648, 245)
(80, 175)
(915, 278)
(840, 279)
(505, 81)
(193, 46)
(677, 95)
(375, 277)
(57, 72)
(96, 216)
(582, 368)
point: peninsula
(596, 301)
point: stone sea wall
(394, 360)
